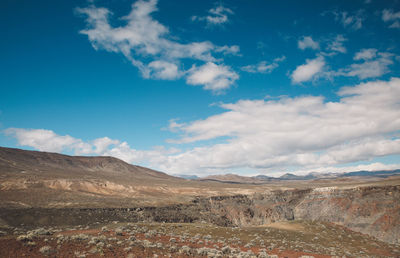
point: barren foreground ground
(285, 239)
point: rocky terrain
(294, 239)
(58, 205)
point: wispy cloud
(372, 64)
(365, 54)
(218, 15)
(392, 17)
(353, 21)
(146, 43)
(336, 45)
(264, 66)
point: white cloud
(173, 125)
(351, 21)
(213, 76)
(164, 70)
(301, 132)
(102, 144)
(373, 65)
(264, 66)
(336, 46)
(228, 50)
(366, 54)
(307, 42)
(391, 16)
(145, 42)
(306, 133)
(146, 157)
(216, 16)
(47, 140)
(308, 71)
(362, 149)
(395, 25)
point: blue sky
(205, 87)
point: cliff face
(371, 210)
(374, 211)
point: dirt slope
(41, 179)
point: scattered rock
(46, 250)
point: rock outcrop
(370, 210)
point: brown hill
(42, 179)
(53, 164)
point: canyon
(52, 190)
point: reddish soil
(10, 247)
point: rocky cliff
(371, 210)
(374, 211)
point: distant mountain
(259, 179)
(289, 176)
(232, 178)
(264, 177)
(382, 173)
(191, 177)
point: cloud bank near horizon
(306, 133)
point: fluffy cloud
(263, 66)
(100, 145)
(308, 70)
(301, 132)
(216, 16)
(145, 42)
(164, 70)
(47, 140)
(214, 77)
(392, 17)
(307, 42)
